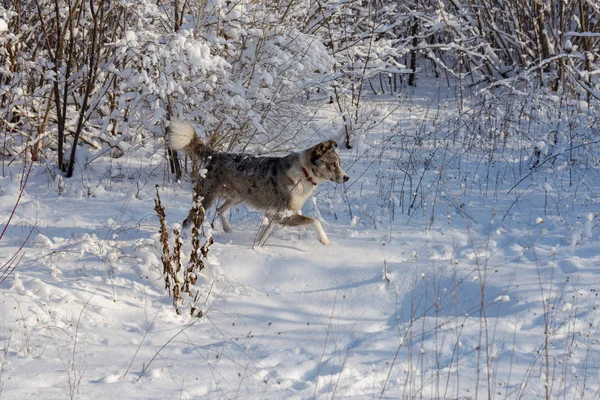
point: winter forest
(464, 247)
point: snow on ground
(489, 290)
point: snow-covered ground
(444, 279)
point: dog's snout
(346, 177)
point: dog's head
(326, 163)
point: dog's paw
(324, 240)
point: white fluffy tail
(181, 133)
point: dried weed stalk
(177, 280)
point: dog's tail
(181, 135)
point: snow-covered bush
(107, 73)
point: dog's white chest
(301, 193)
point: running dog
(279, 186)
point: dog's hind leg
(188, 220)
(222, 210)
(301, 220)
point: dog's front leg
(302, 220)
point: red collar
(308, 178)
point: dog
(278, 186)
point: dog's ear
(323, 148)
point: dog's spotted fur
(279, 186)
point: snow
(471, 297)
